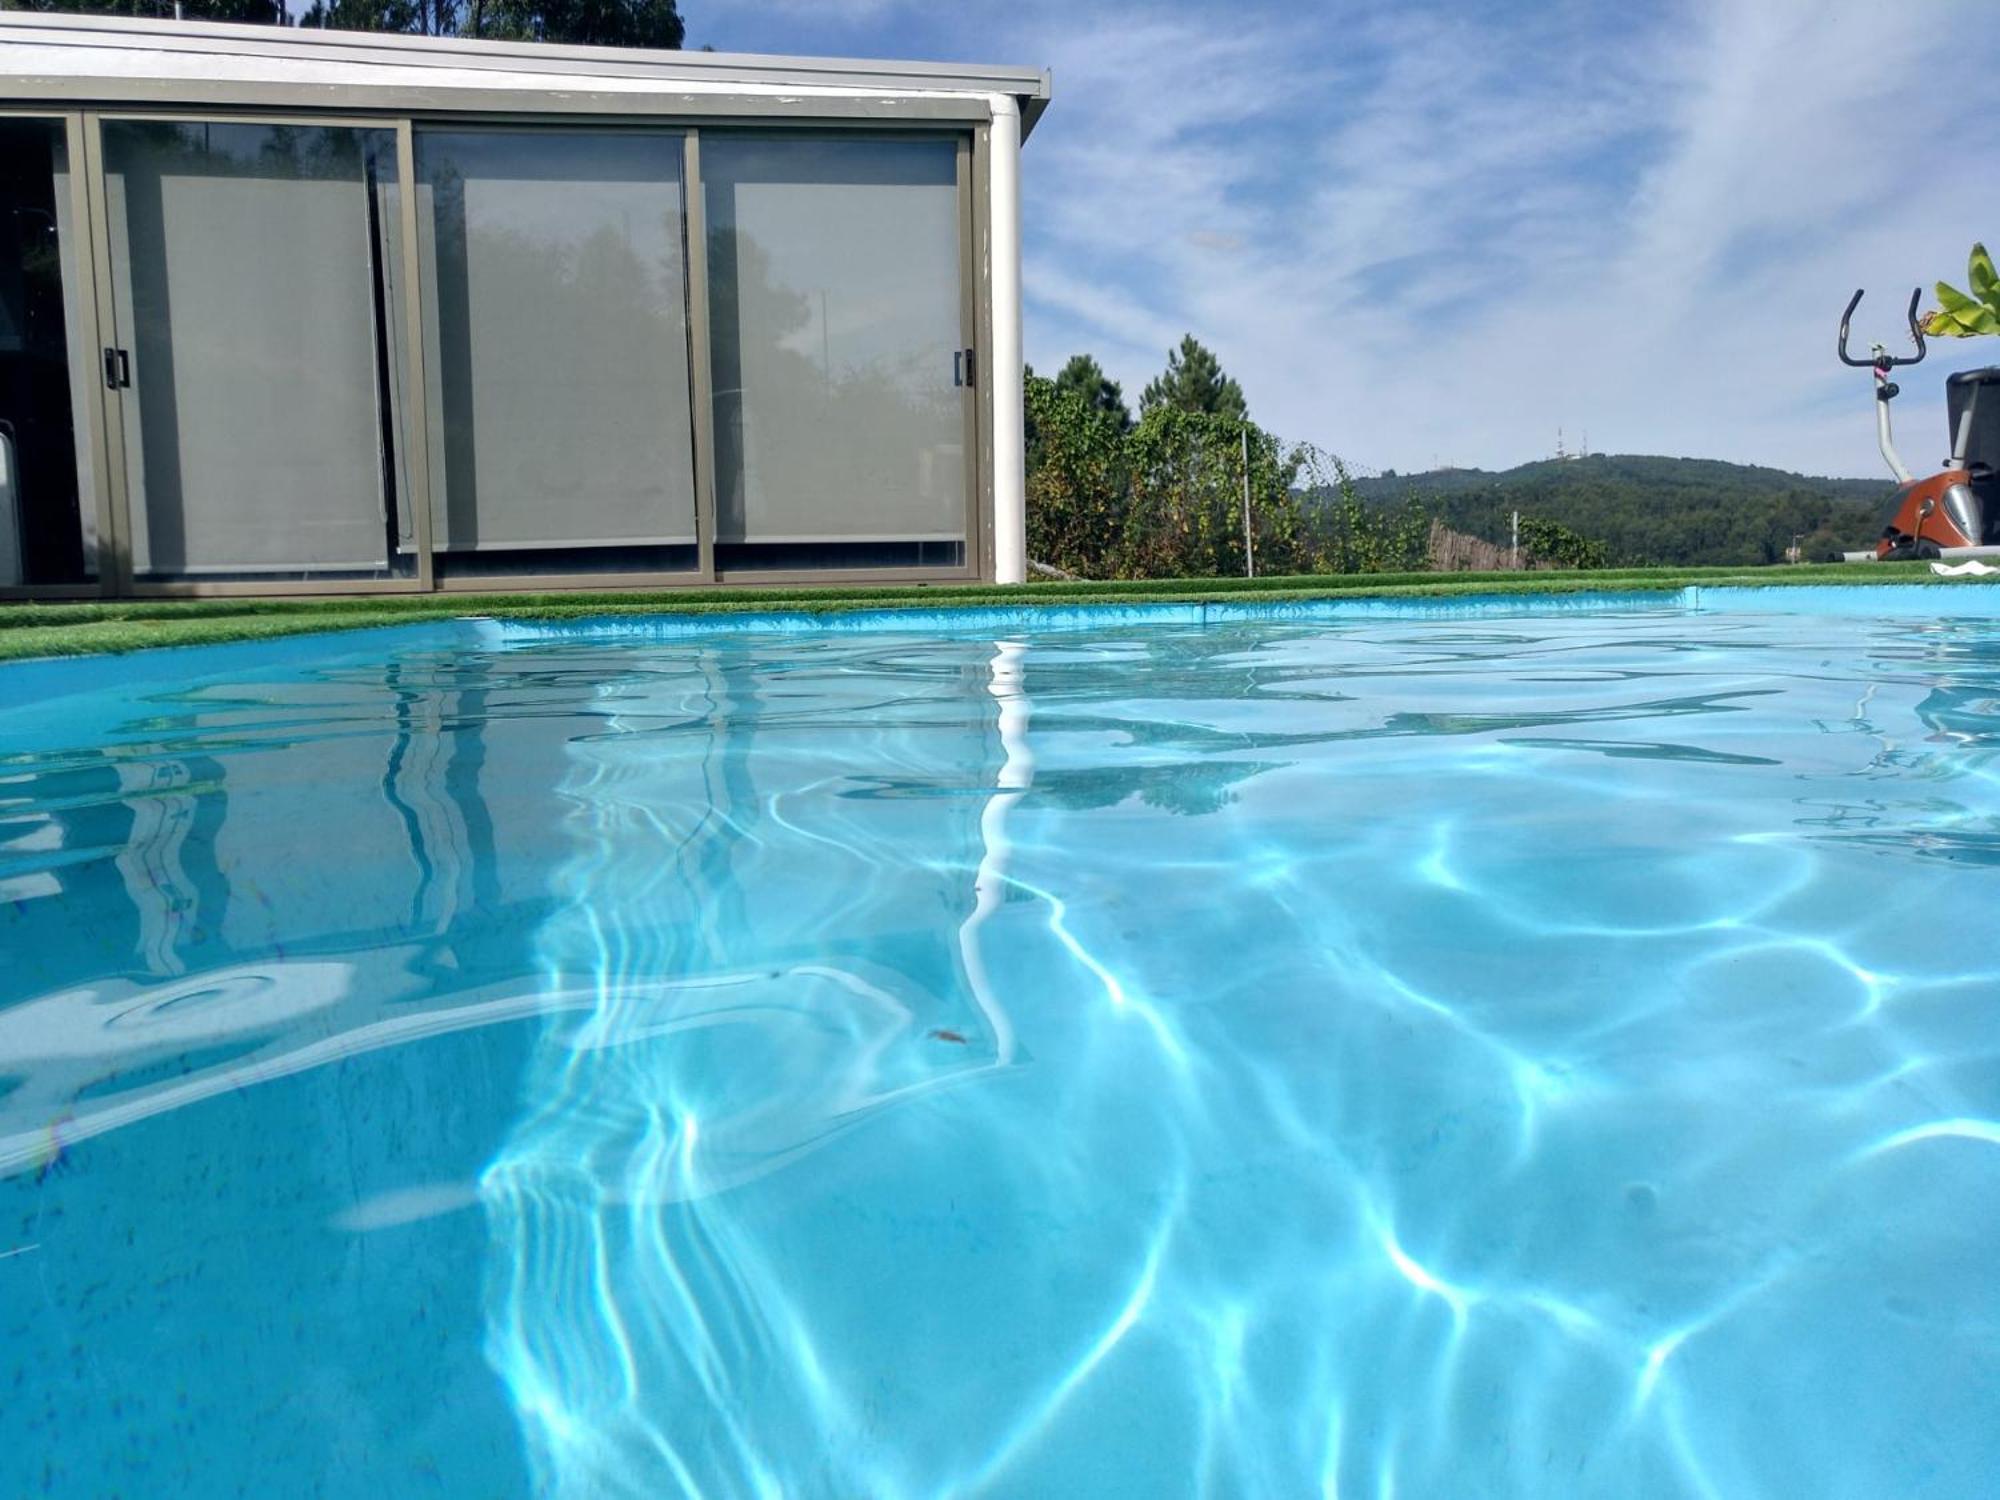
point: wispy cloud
(1441, 231)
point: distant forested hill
(1691, 511)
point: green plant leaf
(1959, 316)
(1944, 324)
(1952, 300)
(1979, 275)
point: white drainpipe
(1003, 367)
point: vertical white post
(1249, 546)
(1514, 546)
(1003, 364)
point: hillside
(1649, 510)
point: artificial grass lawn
(88, 628)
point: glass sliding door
(556, 277)
(843, 381)
(253, 282)
(48, 521)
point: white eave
(86, 59)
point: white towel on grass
(1972, 567)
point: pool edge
(45, 677)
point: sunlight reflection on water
(1524, 1056)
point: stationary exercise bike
(1956, 511)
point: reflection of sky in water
(1541, 1055)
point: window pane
(559, 288)
(835, 309)
(48, 522)
(248, 273)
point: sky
(1425, 233)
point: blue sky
(1426, 232)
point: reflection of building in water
(1967, 713)
(163, 892)
(173, 901)
(430, 777)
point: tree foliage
(589, 23)
(408, 17)
(1184, 509)
(259, 12)
(1554, 545)
(1165, 498)
(608, 23)
(1193, 381)
(1346, 535)
(1076, 481)
(1086, 378)
(1648, 510)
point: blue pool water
(1543, 1053)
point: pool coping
(31, 631)
(39, 679)
(1827, 599)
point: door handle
(958, 367)
(965, 367)
(117, 369)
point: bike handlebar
(1884, 361)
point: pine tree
(1194, 382)
(1098, 391)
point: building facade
(288, 311)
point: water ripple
(1364, 1056)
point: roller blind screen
(558, 279)
(244, 262)
(835, 314)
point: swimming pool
(1551, 1051)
